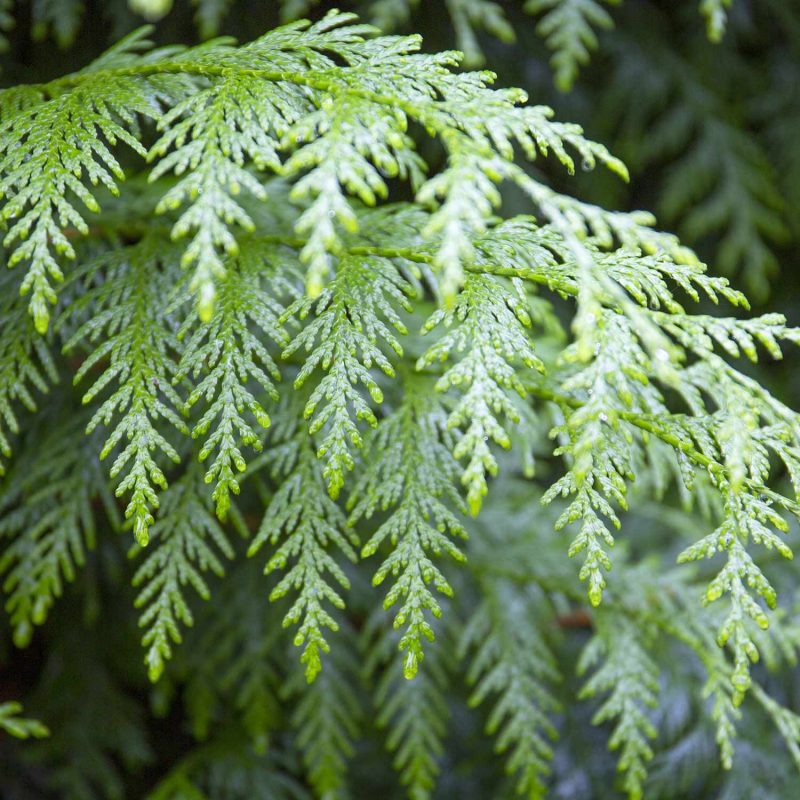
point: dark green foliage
(48, 523)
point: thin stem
(206, 70)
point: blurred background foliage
(702, 101)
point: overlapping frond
(412, 476)
(226, 353)
(325, 104)
(268, 292)
(47, 523)
(129, 334)
(186, 541)
(52, 144)
(487, 329)
(302, 522)
(355, 322)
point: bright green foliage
(730, 440)
(307, 296)
(655, 612)
(343, 127)
(47, 149)
(468, 18)
(716, 14)
(228, 354)
(208, 139)
(488, 326)
(21, 727)
(412, 475)
(568, 28)
(185, 541)
(302, 512)
(353, 317)
(129, 301)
